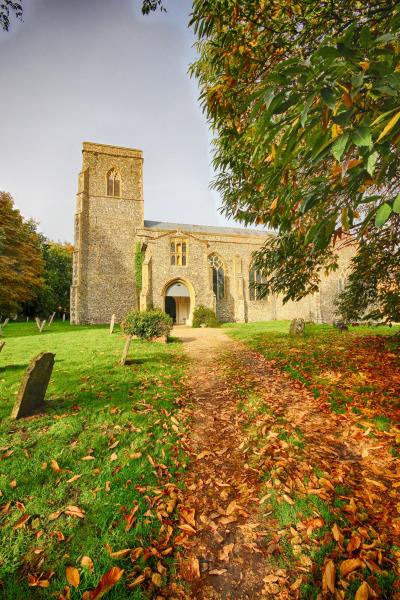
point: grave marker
(63, 317)
(112, 323)
(297, 327)
(34, 385)
(51, 318)
(5, 322)
(40, 324)
(126, 350)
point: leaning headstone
(51, 318)
(40, 324)
(126, 350)
(34, 385)
(112, 323)
(2, 344)
(297, 327)
(5, 322)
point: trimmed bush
(148, 324)
(204, 316)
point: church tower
(109, 209)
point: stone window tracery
(256, 278)
(178, 250)
(113, 183)
(217, 276)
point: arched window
(113, 183)
(256, 278)
(217, 276)
(178, 249)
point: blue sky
(97, 70)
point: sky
(97, 70)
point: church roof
(162, 226)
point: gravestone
(27, 319)
(112, 323)
(2, 344)
(63, 317)
(126, 350)
(51, 318)
(297, 327)
(5, 322)
(40, 324)
(34, 385)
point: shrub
(204, 316)
(148, 324)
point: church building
(124, 262)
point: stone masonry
(109, 227)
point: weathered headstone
(51, 318)
(297, 327)
(34, 385)
(63, 317)
(2, 344)
(5, 322)
(126, 350)
(112, 323)
(40, 324)
(27, 319)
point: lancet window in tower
(217, 276)
(178, 250)
(113, 183)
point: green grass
(352, 370)
(95, 408)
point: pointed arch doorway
(178, 303)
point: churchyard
(274, 456)
(90, 475)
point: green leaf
(328, 97)
(396, 204)
(362, 136)
(339, 146)
(382, 214)
(365, 36)
(371, 162)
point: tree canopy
(21, 263)
(304, 101)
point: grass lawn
(107, 446)
(322, 476)
(356, 370)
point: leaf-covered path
(284, 497)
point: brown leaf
(54, 515)
(107, 582)
(74, 478)
(87, 563)
(354, 543)
(88, 457)
(72, 576)
(225, 552)
(140, 579)
(329, 576)
(22, 521)
(130, 519)
(114, 456)
(187, 528)
(363, 592)
(75, 511)
(117, 553)
(156, 579)
(187, 515)
(135, 553)
(54, 466)
(337, 534)
(13, 483)
(350, 565)
(190, 569)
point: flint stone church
(180, 266)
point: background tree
(304, 101)
(54, 294)
(21, 263)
